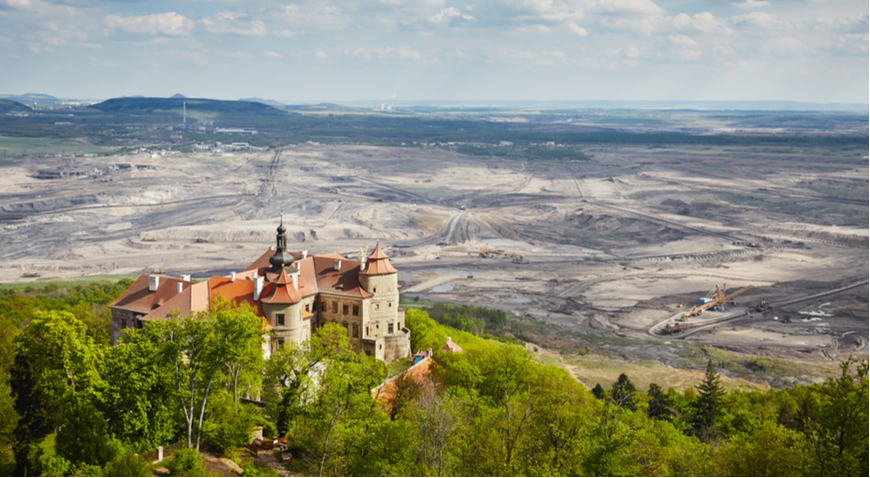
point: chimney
(153, 283)
(336, 264)
(186, 277)
(232, 276)
(296, 281)
(180, 287)
(258, 288)
(304, 254)
(256, 273)
(362, 264)
(429, 351)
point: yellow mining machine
(487, 253)
(715, 299)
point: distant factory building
(295, 293)
(235, 130)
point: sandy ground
(608, 246)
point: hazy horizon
(483, 50)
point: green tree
(406, 391)
(838, 440)
(83, 437)
(707, 407)
(55, 371)
(195, 347)
(35, 421)
(623, 392)
(139, 398)
(598, 391)
(769, 450)
(659, 408)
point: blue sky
(479, 50)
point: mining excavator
(715, 299)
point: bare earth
(609, 246)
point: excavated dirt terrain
(601, 248)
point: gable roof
(139, 299)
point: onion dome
(282, 259)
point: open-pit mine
(618, 247)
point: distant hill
(9, 106)
(174, 105)
(31, 98)
(178, 95)
(277, 104)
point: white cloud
(232, 23)
(750, 4)
(451, 17)
(15, 3)
(682, 40)
(577, 30)
(631, 51)
(272, 54)
(169, 23)
(758, 20)
(644, 7)
(284, 33)
(386, 53)
(320, 54)
(785, 47)
(14, 56)
(703, 22)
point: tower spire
(281, 259)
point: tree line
(492, 410)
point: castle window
(334, 307)
(307, 307)
(279, 344)
(375, 289)
(390, 328)
(279, 318)
(344, 309)
(323, 306)
(377, 306)
(367, 331)
(356, 310)
(389, 305)
(123, 323)
(355, 331)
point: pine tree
(623, 393)
(598, 391)
(658, 404)
(708, 405)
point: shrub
(128, 464)
(186, 462)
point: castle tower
(379, 278)
(281, 260)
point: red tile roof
(420, 373)
(450, 346)
(378, 263)
(344, 281)
(137, 298)
(283, 291)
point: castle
(295, 293)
